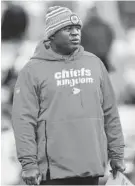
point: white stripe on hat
(54, 28)
(48, 17)
(60, 17)
(58, 10)
(53, 11)
(58, 23)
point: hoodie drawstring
(48, 163)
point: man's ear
(52, 37)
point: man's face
(68, 38)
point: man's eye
(78, 28)
(68, 28)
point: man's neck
(61, 51)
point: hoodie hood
(43, 51)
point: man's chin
(72, 48)
(75, 47)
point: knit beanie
(58, 17)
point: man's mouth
(75, 41)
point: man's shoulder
(93, 58)
(33, 64)
(89, 54)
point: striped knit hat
(59, 17)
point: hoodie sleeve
(112, 123)
(24, 118)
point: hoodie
(65, 117)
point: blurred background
(108, 31)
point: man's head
(63, 28)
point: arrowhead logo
(76, 90)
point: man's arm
(112, 123)
(24, 119)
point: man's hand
(31, 177)
(117, 165)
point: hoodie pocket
(78, 145)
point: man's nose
(74, 31)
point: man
(65, 118)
